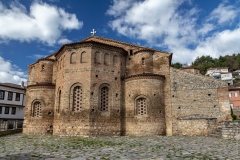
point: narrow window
(59, 101)
(6, 110)
(143, 61)
(106, 59)
(236, 94)
(10, 96)
(115, 60)
(230, 94)
(0, 109)
(37, 109)
(77, 99)
(141, 106)
(73, 58)
(83, 57)
(13, 110)
(97, 58)
(43, 67)
(104, 99)
(2, 93)
(17, 97)
(131, 52)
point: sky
(33, 29)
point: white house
(221, 73)
(12, 104)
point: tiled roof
(13, 85)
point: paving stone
(20, 146)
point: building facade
(12, 105)
(100, 86)
(221, 73)
(234, 98)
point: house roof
(13, 86)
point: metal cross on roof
(93, 32)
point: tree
(177, 65)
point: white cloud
(64, 41)
(223, 13)
(44, 22)
(37, 56)
(166, 24)
(10, 73)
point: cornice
(145, 76)
(42, 85)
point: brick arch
(141, 105)
(104, 97)
(59, 95)
(76, 97)
(97, 58)
(106, 59)
(115, 60)
(36, 108)
(83, 57)
(73, 58)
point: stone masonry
(100, 86)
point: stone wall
(231, 130)
(197, 96)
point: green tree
(177, 65)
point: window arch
(104, 98)
(77, 99)
(83, 57)
(37, 109)
(97, 58)
(141, 106)
(73, 58)
(115, 60)
(106, 59)
(59, 101)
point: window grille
(104, 99)
(141, 106)
(37, 109)
(77, 99)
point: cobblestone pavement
(24, 147)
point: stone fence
(231, 130)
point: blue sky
(30, 29)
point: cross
(93, 32)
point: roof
(13, 86)
(109, 42)
(217, 68)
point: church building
(104, 87)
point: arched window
(37, 109)
(141, 106)
(77, 99)
(106, 59)
(83, 57)
(73, 58)
(115, 60)
(104, 98)
(59, 101)
(97, 58)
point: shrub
(234, 117)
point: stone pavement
(31, 147)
